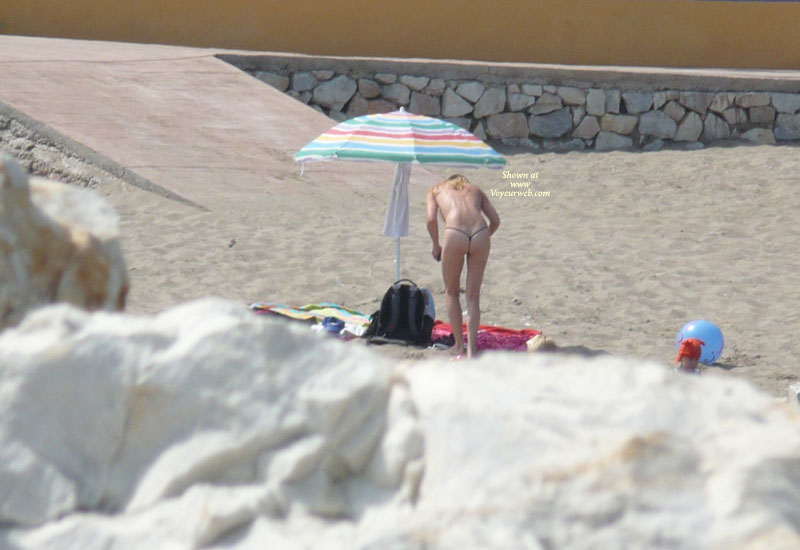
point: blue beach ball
(709, 333)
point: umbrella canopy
(402, 138)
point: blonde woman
(466, 235)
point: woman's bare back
(460, 208)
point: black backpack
(401, 318)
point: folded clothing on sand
(489, 337)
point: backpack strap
(394, 317)
(413, 295)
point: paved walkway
(180, 118)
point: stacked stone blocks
(553, 117)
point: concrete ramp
(178, 119)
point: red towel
(490, 337)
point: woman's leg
(454, 246)
(476, 265)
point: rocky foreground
(208, 426)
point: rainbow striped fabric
(401, 136)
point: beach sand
(626, 249)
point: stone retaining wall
(538, 114)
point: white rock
(397, 93)
(423, 104)
(794, 394)
(368, 88)
(715, 128)
(607, 141)
(334, 94)
(547, 103)
(507, 125)
(674, 111)
(551, 125)
(786, 103)
(752, 99)
(58, 243)
(571, 95)
(760, 135)
(242, 432)
(303, 82)
(453, 105)
(596, 102)
(587, 129)
(549, 89)
(415, 83)
(619, 124)
(658, 124)
(761, 115)
(472, 90)
(512, 89)
(690, 128)
(787, 127)
(492, 101)
(637, 102)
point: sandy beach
(625, 250)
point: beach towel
(355, 322)
(489, 336)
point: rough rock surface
(607, 141)
(335, 93)
(453, 105)
(58, 243)
(787, 127)
(690, 128)
(620, 124)
(551, 125)
(209, 426)
(423, 104)
(492, 101)
(637, 102)
(715, 128)
(656, 123)
(507, 125)
(786, 103)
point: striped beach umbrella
(402, 138)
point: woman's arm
(433, 224)
(491, 213)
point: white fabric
(396, 224)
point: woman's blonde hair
(457, 180)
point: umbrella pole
(397, 262)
